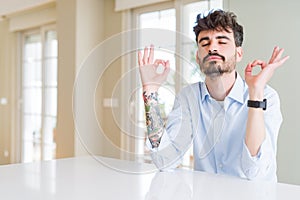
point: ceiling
(12, 6)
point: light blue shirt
(217, 132)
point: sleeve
(263, 166)
(177, 137)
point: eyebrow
(204, 38)
(218, 37)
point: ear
(239, 54)
(197, 57)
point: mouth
(210, 58)
(213, 57)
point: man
(233, 123)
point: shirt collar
(236, 93)
(204, 91)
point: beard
(218, 68)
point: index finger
(258, 62)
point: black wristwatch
(258, 104)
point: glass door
(38, 94)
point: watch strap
(258, 104)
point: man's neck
(219, 87)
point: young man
(233, 123)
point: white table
(90, 178)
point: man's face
(217, 52)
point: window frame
(41, 30)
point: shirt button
(220, 166)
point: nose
(211, 51)
(213, 47)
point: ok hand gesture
(153, 74)
(257, 83)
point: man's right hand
(152, 77)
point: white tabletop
(104, 178)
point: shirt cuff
(165, 156)
(256, 166)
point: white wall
(89, 33)
(96, 129)
(66, 26)
(268, 23)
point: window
(38, 94)
(180, 18)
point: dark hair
(219, 20)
